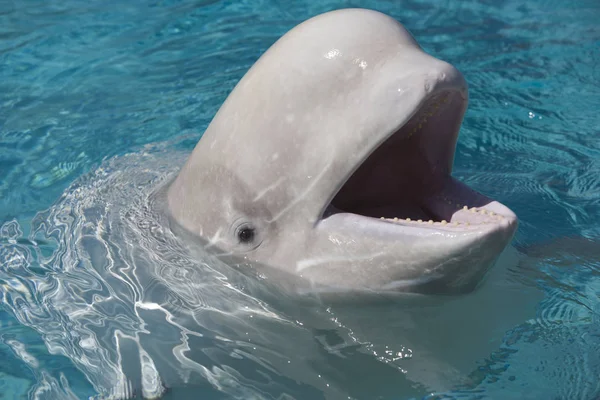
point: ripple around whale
(104, 281)
(99, 274)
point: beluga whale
(331, 162)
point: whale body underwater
(330, 163)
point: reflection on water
(106, 283)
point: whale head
(331, 161)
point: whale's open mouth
(406, 180)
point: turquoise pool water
(99, 101)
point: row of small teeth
(481, 211)
(428, 113)
(474, 210)
(430, 222)
(455, 223)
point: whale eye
(246, 233)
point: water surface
(101, 103)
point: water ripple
(107, 287)
(117, 286)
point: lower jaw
(449, 253)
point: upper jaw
(420, 129)
(410, 165)
(406, 178)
